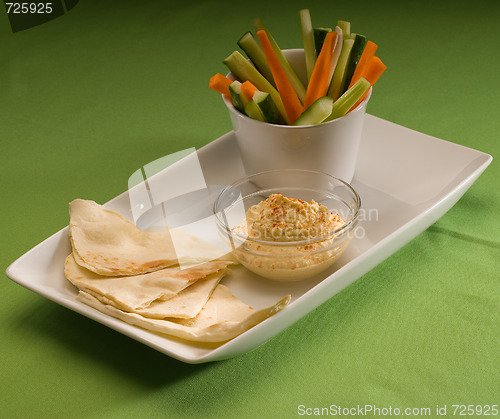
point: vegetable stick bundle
(341, 68)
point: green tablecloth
(91, 96)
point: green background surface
(88, 98)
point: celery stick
(346, 28)
(336, 53)
(290, 72)
(308, 40)
(345, 102)
(254, 51)
(243, 70)
(339, 75)
(319, 37)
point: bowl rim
(337, 233)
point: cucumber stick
(254, 51)
(308, 41)
(267, 106)
(243, 70)
(261, 107)
(298, 86)
(254, 112)
(345, 102)
(316, 113)
(319, 35)
(357, 49)
(339, 75)
(239, 100)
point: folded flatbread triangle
(222, 318)
(185, 305)
(139, 292)
(108, 244)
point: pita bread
(108, 244)
(185, 305)
(223, 317)
(129, 274)
(137, 292)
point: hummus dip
(272, 229)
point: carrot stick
(368, 53)
(248, 89)
(290, 100)
(318, 84)
(371, 72)
(220, 84)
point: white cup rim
(239, 114)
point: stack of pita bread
(141, 278)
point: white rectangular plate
(406, 180)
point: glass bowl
(287, 259)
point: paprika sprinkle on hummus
(283, 219)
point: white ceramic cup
(330, 147)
